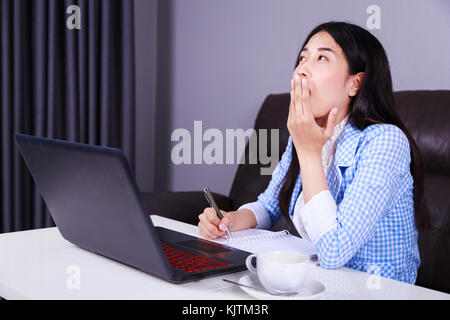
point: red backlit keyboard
(189, 262)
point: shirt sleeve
(340, 231)
(268, 200)
(319, 215)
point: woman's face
(323, 63)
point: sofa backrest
(426, 114)
(248, 182)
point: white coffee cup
(279, 271)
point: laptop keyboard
(189, 262)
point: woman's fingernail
(335, 111)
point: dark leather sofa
(426, 114)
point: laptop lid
(94, 200)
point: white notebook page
(258, 240)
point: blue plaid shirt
(365, 220)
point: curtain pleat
(75, 85)
(6, 86)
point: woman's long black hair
(374, 103)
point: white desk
(34, 265)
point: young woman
(351, 177)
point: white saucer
(312, 289)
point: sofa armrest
(183, 206)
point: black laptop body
(94, 200)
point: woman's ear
(355, 83)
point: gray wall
(217, 60)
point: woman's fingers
(209, 231)
(292, 93)
(306, 100)
(298, 95)
(209, 224)
(292, 104)
(205, 234)
(211, 215)
(227, 221)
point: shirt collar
(329, 144)
(339, 128)
(328, 148)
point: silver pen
(212, 203)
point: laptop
(96, 204)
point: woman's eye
(300, 60)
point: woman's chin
(321, 120)
(320, 116)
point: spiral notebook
(258, 240)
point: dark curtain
(75, 85)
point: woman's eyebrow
(320, 49)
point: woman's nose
(302, 72)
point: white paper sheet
(285, 243)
